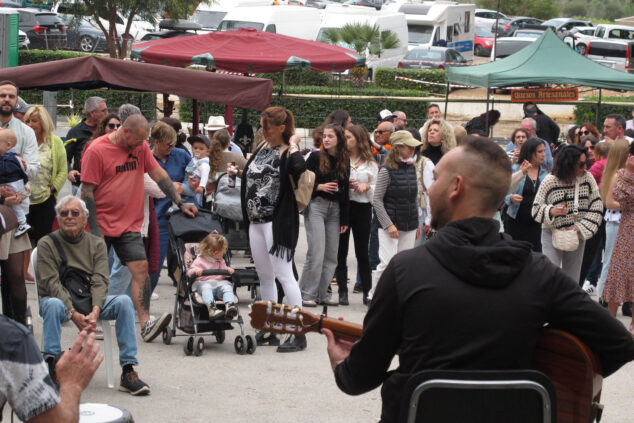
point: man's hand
(338, 349)
(427, 230)
(392, 231)
(72, 176)
(13, 200)
(189, 209)
(77, 366)
(6, 191)
(82, 322)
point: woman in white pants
(395, 201)
(270, 211)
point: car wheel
(86, 44)
(581, 49)
(478, 50)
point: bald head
(136, 122)
(133, 132)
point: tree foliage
(365, 39)
(541, 9)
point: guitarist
(471, 297)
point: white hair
(92, 103)
(126, 110)
(65, 200)
(532, 121)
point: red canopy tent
(247, 51)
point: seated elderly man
(85, 252)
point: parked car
(321, 4)
(23, 39)
(377, 4)
(514, 23)
(44, 29)
(83, 35)
(563, 25)
(528, 33)
(431, 58)
(602, 31)
(506, 46)
(615, 54)
(482, 41)
(171, 28)
(486, 17)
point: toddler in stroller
(211, 257)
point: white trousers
(270, 267)
(388, 247)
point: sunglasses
(65, 213)
(586, 132)
(379, 132)
(582, 165)
(114, 125)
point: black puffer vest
(400, 197)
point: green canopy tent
(548, 60)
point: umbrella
(247, 51)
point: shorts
(129, 246)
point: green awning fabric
(548, 60)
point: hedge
(384, 78)
(310, 113)
(587, 112)
(145, 101)
(346, 89)
(299, 77)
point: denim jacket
(512, 208)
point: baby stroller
(226, 205)
(191, 317)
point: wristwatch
(71, 312)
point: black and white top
(263, 185)
(24, 379)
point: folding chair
(108, 350)
(450, 396)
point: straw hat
(215, 123)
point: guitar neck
(342, 329)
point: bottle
(232, 171)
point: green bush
(27, 57)
(299, 77)
(370, 90)
(384, 78)
(587, 112)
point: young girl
(210, 257)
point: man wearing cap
(216, 123)
(21, 109)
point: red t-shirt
(118, 175)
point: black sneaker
(153, 327)
(266, 338)
(627, 309)
(131, 383)
(293, 343)
(231, 311)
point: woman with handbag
(518, 222)
(270, 213)
(326, 216)
(363, 171)
(569, 208)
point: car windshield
(526, 34)
(426, 55)
(553, 22)
(483, 32)
(419, 34)
(47, 19)
(209, 18)
(231, 25)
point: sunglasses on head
(114, 125)
(65, 213)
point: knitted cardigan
(553, 191)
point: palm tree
(367, 40)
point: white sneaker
(154, 296)
(590, 289)
(21, 230)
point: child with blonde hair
(210, 257)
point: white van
(210, 15)
(615, 54)
(294, 21)
(439, 23)
(337, 16)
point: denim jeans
(116, 307)
(120, 276)
(209, 293)
(611, 230)
(421, 224)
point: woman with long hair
(519, 222)
(438, 138)
(619, 285)
(363, 171)
(588, 142)
(616, 161)
(588, 128)
(555, 207)
(395, 201)
(270, 213)
(573, 135)
(483, 124)
(327, 215)
(513, 148)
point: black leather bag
(76, 281)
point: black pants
(360, 219)
(41, 217)
(13, 289)
(592, 246)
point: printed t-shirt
(118, 175)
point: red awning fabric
(93, 72)
(247, 51)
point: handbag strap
(60, 250)
(575, 207)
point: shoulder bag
(568, 240)
(76, 281)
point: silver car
(432, 58)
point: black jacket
(10, 169)
(471, 298)
(547, 129)
(76, 139)
(342, 196)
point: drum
(103, 413)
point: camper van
(337, 16)
(439, 23)
(294, 21)
(209, 15)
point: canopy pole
(195, 118)
(446, 99)
(486, 121)
(229, 118)
(598, 111)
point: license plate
(53, 30)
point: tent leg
(598, 111)
(229, 118)
(195, 117)
(486, 122)
(446, 99)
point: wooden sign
(544, 94)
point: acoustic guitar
(570, 365)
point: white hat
(385, 114)
(215, 123)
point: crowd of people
(393, 187)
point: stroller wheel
(240, 345)
(251, 346)
(188, 346)
(220, 336)
(167, 336)
(200, 347)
